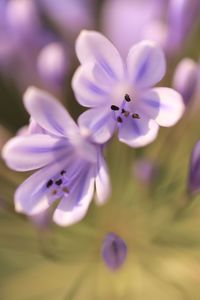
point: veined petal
(97, 123)
(102, 181)
(88, 91)
(138, 132)
(164, 105)
(74, 207)
(49, 113)
(93, 46)
(32, 152)
(146, 64)
(31, 196)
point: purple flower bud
(194, 173)
(53, 63)
(114, 251)
(186, 79)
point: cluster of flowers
(69, 157)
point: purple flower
(114, 251)
(69, 166)
(120, 94)
(194, 173)
(186, 79)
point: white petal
(93, 46)
(102, 181)
(146, 64)
(88, 91)
(98, 124)
(73, 208)
(138, 132)
(32, 152)
(49, 113)
(164, 105)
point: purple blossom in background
(194, 173)
(186, 79)
(182, 16)
(120, 93)
(114, 251)
(69, 16)
(129, 19)
(69, 166)
(21, 37)
(53, 64)
(168, 22)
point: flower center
(57, 187)
(122, 112)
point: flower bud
(186, 78)
(114, 251)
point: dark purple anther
(114, 251)
(194, 173)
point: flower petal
(138, 132)
(32, 152)
(146, 64)
(98, 124)
(164, 105)
(31, 196)
(93, 46)
(102, 181)
(73, 208)
(194, 174)
(186, 79)
(88, 91)
(49, 113)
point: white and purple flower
(68, 166)
(121, 94)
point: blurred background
(150, 207)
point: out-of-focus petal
(32, 152)
(164, 105)
(138, 132)
(93, 46)
(88, 91)
(102, 181)
(186, 79)
(194, 173)
(53, 63)
(49, 113)
(146, 64)
(97, 124)
(73, 208)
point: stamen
(54, 192)
(62, 172)
(135, 116)
(114, 107)
(58, 182)
(119, 120)
(127, 98)
(49, 183)
(65, 190)
(126, 113)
